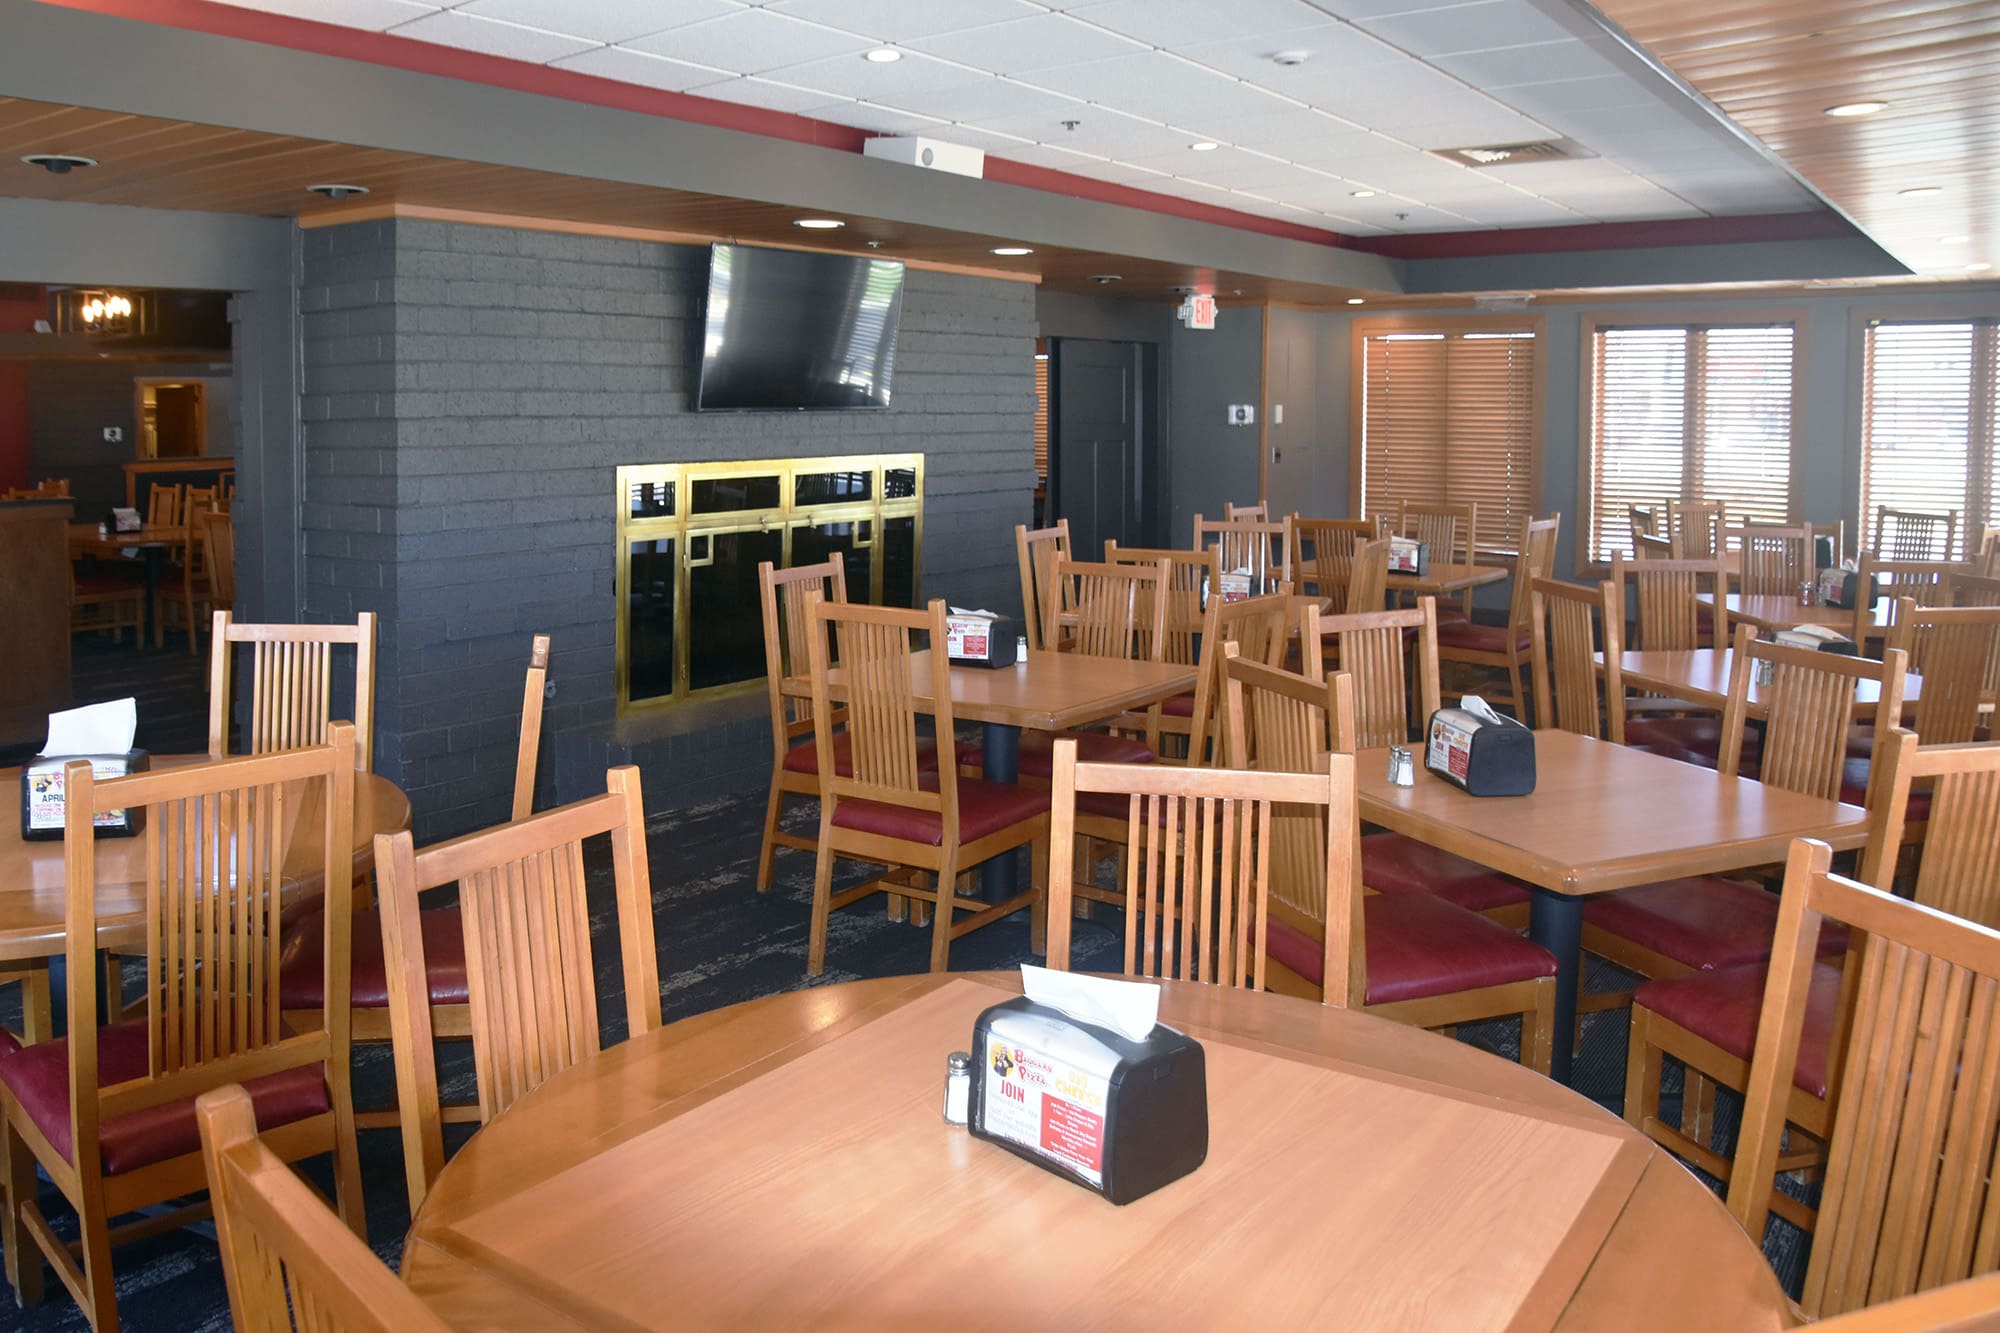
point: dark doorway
(1101, 454)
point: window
(1450, 415)
(1690, 413)
(1927, 432)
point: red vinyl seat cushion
(1722, 1007)
(1701, 922)
(1038, 751)
(804, 757)
(9, 1043)
(302, 967)
(1419, 945)
(1180, 705)
(1854, 791)
(1478, 638)
(1694, 740)
(1394, 864)
(38, 1078)
(983, 808)
(99, 583)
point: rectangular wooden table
(155, 543)
(1770, 614)
(1601, 817)
(1701, 676)
(1442, 579)
(1045, 692)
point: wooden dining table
(1044, 691)
(1701, 676)
(1772, 613)
(1602, 817)
(1441, 580)
(783, 1164)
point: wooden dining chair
(1035, 553)
(1260, 627)
(107, 599)
(1953, 650)
(1911, 534)
(163, 505)
(291, 684)
(107, 1113)
(1878, 580)
(530, 978)
(1412, 957)
(1261, 549)
(888, 810)
(1452, 533)
(1368, 577)
(1567, 623)
(299, 961)
(218, 553)
(1332, 543)
(1256, 513)
(1664, 595)
(287, 1262)
(1971, 1305)
(1191, 574)
(1647, 546)
(1777, 559)
(1390, 660)
(1907, 1200)
(1642, 521)
(1507, 647)
(1121, 612)
(189, 589)
(1696, 528)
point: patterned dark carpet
(719, 943)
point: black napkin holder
(1481, 756)
(1119, 1117)
(1850, 592)
(1409, 556)
(42, 809)
(982, 641)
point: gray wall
(71, 402)
(1212, 461)
(469, 393)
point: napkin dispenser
(42, 803)
(980, 638)
(1409, 556)
(1119, 1117)
(1477, 749)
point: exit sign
(1198, 311)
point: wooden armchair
(1507, 647)
(1409, 956)
(108, 1113)
(1910, 534)
(1042, 608)
(524, 929)
(888, 810)
(291, 683)
(286, 1260)
(1666, 595)
(1907, 1199)
(1953, 649)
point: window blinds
(1927, 409)
(1041, 417)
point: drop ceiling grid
(1387, 81)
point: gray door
(1094, 462)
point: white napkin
(1482, 710)
(105, 728)
(1129, 1008)
(988, 615)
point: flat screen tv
(791, 330)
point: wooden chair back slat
(1568, 623)
(1118, 607)
(1776, 560)
(1534, 556)
(1911, 534)
(1954, 650)
(1368, 577)
(1450, 530)
(287, 1261)
(1809, 704)
(781, 595)
(1190, 574)
(1373, 656)
(1259, 548)
(291, 684)
(528, 748)
(1256, 513)
(1276, 722)
(530, 982)
(1259, 627)
(1908, 1201)
(1664, 594)
(1198, 867)
(1036, 552)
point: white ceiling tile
(1540, 62)
(449, 28)
(1062, 159)
(1519, 211)
(1105, 133)
(903, 83)
(1156, 86)
(882, 119)
(599, 20)
(1339, 47)
(775, 96)
(1040, 41)
(753, 41)
(993, 99)
(902, 20)
(374, 15)
(626, 66)
(1180, 23)
(1495, 125)
(999, 145)
(1570, 96)
(1237, 171)
(1640, 210)
(1481, 26)
(1277, 130)
(1368, 9)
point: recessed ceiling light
(1954, 240)
(1364, 194)
(1856, 108)
(883, 55)
(1102, 278)
(1980, 267)
(820, 224)
(334, 191)
(57, 164)
(1921, 191)
(1204, 146)
(1011, 250)
(1356, 300)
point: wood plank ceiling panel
(1775, 66)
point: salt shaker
(1402, 767)
(1806, 593)
(957, 1087)
(1766, 671)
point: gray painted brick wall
(469, 393)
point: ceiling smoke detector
(1291, 57)
(58, 164)
(334, 191)
(1512, 154)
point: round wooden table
(31, 873)
(783, 1164)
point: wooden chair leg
(768, 854)
(1538, 1029)
(347, 1173)
(94, 1239)
(947, 891)
(36, 1025)
(1519, 700)
(1642, 1073)
(1697, 1106)
(24, 1256)
(822, 898)
(1038, 910)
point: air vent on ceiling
(1512, 154)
